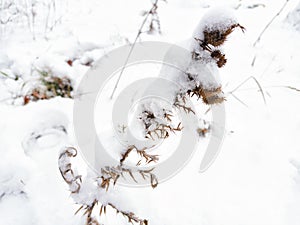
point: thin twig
(133, 45)
(257, 83)
(291, 88)
(271, 21)
(239, 100)
(7, 76)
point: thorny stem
(90, 220)
(130, 216)
(142, 152)
(114, 173)
(74, 181)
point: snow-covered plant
(39, 84)
(49, 86)
(9, 12)
(154, 21)
(201, 76)
(151, 18)
(90, 192)
(39, 16)
(155, 121)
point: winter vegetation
(243, 54)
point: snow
(255, 179)
(293, 18)
(218, 18)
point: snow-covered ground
(256, 177)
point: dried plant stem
(65, 167)
(90, 220)
(142, 152)
(74, 181)
(184, 107)
(282, 86)
(239, 100)
(114, 173)
(162, 131)
(9, 77)
(245, 81)
(129, 215)
(154, 6)
(270, 22)
(290, 87)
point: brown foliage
(209, 97)
(154, 126)
(50, 86)
(114, 173)
(142, 152)
(215, 38)
(218, 37)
